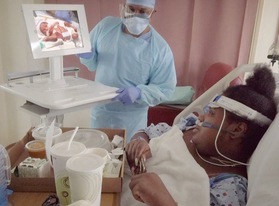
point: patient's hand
(137, 149)
(149, 189)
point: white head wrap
(38, 24)
(146, 3)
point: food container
(36, 149)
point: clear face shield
(129, 11)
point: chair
(213, 74)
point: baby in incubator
(55, 31)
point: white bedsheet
(187, 182)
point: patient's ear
(237, 129)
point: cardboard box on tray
(18, 153)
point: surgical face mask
(136, 25)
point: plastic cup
(36, 149)
(85, 177)
(59, 154)
(99, 151)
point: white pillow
(263, 172)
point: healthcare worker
(129, 54)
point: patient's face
(204, 137)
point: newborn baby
(55, 31)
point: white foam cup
(59, 154)
(99, 151)
(85, 177)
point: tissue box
(33, 167)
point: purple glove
(87, 55)
(64, 15)
(128, 95)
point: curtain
(199, 32)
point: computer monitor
(55, 30)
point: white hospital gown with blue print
(228, 190)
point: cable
(224, 162)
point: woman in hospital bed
(204, 165)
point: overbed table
(37, 199)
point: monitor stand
(58, 92)
(56, 80)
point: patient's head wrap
(146, 3)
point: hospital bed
(263, 169)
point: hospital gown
(225, 189)
(123, 60)
(228, 190)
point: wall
(15, 57)
(265, 32)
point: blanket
(186, 181)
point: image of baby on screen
(53, 32)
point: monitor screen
(56, 29)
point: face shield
(135, 18)
(129, 11)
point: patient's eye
(211, 112)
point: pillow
(263, 169)
(181, 95)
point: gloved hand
(128, 95)
(64, 15)
(87, 55)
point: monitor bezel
(34, 40)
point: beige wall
(15, 57)
(265, 32)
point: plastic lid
(7, 163)
(89, 137)
(84, 163)
(61, 149)
(35, 145)
(41, 130)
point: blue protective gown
(123, 60)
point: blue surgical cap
(147, 3)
